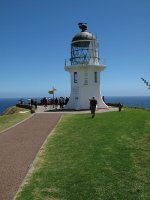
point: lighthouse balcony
(83, 61)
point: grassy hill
(105, 158)
(12, 116)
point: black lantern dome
(84, 34)
(84, 47)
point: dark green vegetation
(105, 158)
(12, 117)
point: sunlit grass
(103, 158)
(8, 120)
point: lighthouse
(84, 69)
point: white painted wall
(86, 87)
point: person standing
(119, 107)
(61, 103)
(56, 103)
(45, 102)
(35, 103)
(93, 103)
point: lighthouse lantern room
(84, 70)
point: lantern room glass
(84, 52)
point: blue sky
(35, 38)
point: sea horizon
(66, 95)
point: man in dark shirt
(93, 103)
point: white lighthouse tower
(84, 70)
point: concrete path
(18, 148)
(50, 109)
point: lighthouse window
(75, 77)
(95, 77)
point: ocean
(140, 102)
(131, 101)
(6, 103)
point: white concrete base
(77, 104)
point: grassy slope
(12, 117)
(89, 159)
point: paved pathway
(20, 144)
(18, 148)
(50, 109)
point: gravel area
(18, 148)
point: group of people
(55, 102)
(34, 103)
(61, 102)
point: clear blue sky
(35, 38)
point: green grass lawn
(8, 120)
(105, 158)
